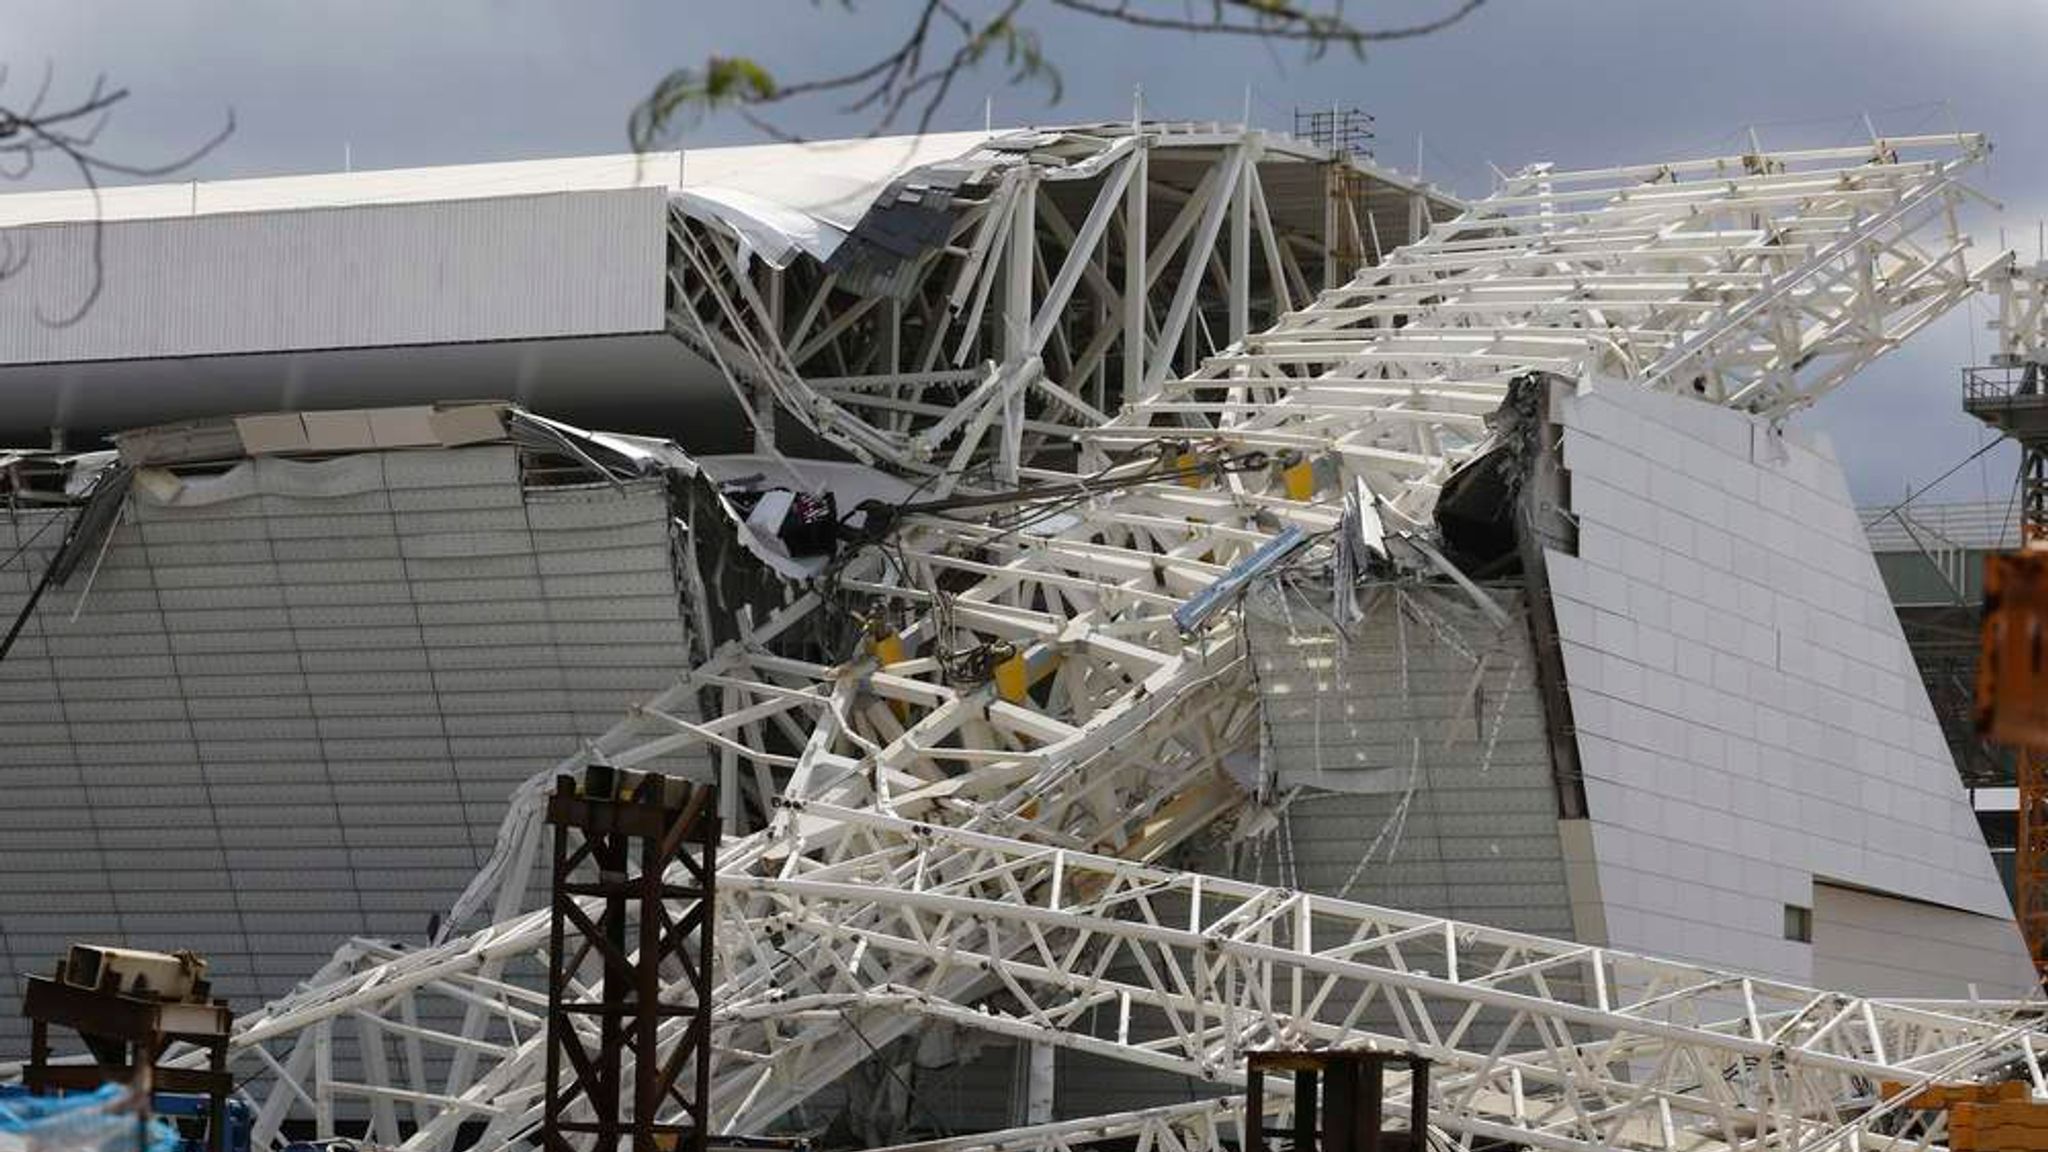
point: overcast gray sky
(1578, 82)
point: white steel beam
(970, 830)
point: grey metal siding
(283, 720)
(1480, 840)
(1433, 699)
(511, 268)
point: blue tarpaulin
(79, 1122)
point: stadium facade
(345, 580)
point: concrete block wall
(1749, 718)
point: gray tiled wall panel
(285, 719)
(1748, 716)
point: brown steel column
(647, 997)
(1372, 1093)
(641, 833)
(610, 853)
(1340, 1103)
(1254, 1107)
(1304, 1110)
(1418, 1104)
(552, 1104)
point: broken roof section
(811, 193)
(894, 193)
(560, 280)
(990, 304)
(210, 461)
(287, 433)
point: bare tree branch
(69, 134)
(948, 38)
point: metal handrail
(2001, 383)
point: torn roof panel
(834, 182)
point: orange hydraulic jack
(1984, 1117)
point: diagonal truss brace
(981, 846)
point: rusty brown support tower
(635, 865)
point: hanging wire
(1500, 711)
(50, 521)
(1924, 489)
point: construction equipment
(1982, 1117)
(186, 1113)
(130, 1007)
(191, 1113)
(1339, 1102)
(2011, 395)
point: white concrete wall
(1749, 717)
(1884, 946)
(382, 275)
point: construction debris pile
(1010, 705)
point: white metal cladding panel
(512, 268)
(279, 721)
(1749, 718)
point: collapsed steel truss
(1083, 265)
(975, 803)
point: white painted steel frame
(1009, 339)
(969, 851)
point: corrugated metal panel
(346, 189)
(834, 177)
(1424, 708)
(1480, 838)
(280, 721)
(508, 268)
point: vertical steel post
(1371, 1076)
(652, 842)
(1254, 1130)
(1304, 1110)
(1137, 288)
(1240, 304)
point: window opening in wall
(1799, 923)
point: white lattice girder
(985, 352)
(937, 829)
